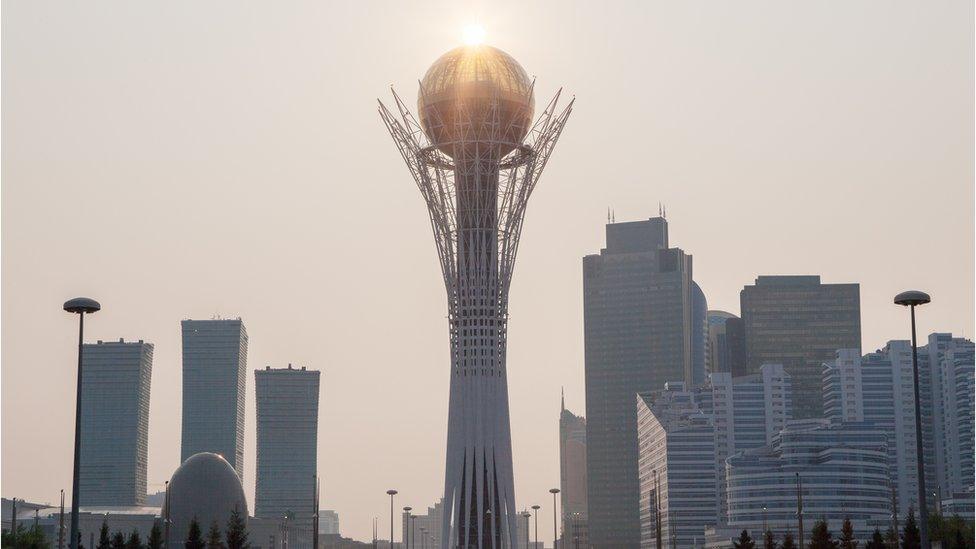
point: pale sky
(176, 160)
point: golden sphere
(467, 85)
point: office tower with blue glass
(214, 385)
(115, 385)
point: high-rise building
(214, 382)
(638, 308)
(287, 433)
(843, 469)
(476, 154)
(328, 522)
(879, 388)
(747, 412)
(699, 335)
(947, 391)
(800, 323)
(676, 468)
(115, 386)
(726, 350)
(572, 475)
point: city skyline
(157, 137)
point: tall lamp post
(526, 515)
(413, 531)
(555, 533)
(391, 493)
(536, 509)
(912, 299)
(80, 306)
(406, 540)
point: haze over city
(185, 161)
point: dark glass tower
(800, 323)
(638, 304)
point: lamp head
(408, 508)
(912, 298)
(391, 492)
(537, 507)
(554, 490)
(80, 305)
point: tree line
(953, 533)
(235, 537)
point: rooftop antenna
(562, 390)
(613, 216)
(608, 214)
(660, 213)
(664, 212)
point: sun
(473, 34)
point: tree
(135, 541)
(103, 537)
(155, 540)
(788, 542)
(847, 540)
(744, 541)
(236, 531)
(25, 538)
(959, 541)
(877, 540)
(891, 538)
(769, 541)
(213, 538)
(118, 541)
(910, 536)
(821, 538)
(194, 539)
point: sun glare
(473, 34)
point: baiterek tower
(476, 156)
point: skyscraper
(214, 364)
(115, 386)
(287, 433)
(699, 335)
(572, 475)
(638, 324)
(726, 350)
(476, 156)
(798, 322)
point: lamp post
(912, 299)
(526, 515)
(423, 537)
(79, 306)
(406, 539)
(391, 493)
(536, 509)
(555, 533)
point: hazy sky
(176, 160)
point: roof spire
(562, 402)
(608, 214)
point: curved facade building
(206, 488)
(843, 470)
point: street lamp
(79, 306)
(911, 299)
(555, 533)
(391, 493)
(407, 510)
(423, 537)
(526, 515)
(536, 509)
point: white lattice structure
(476, 157)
